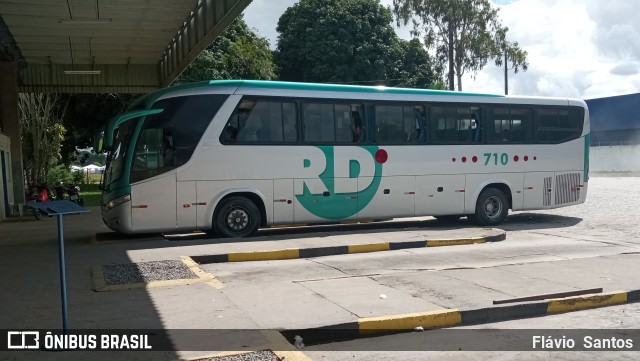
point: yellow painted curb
(431, 319)
(100, 286)
(286, 351)
(364, 248)
(584, 302)
(454, 242)
(276, 341)
(220, 354)
(264, 255)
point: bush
(59, 173)
(78, 177)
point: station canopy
(108, 46)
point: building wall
(624, 158)
(5, 178)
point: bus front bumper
(118, 219)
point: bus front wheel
(492, 208)
(237, 217)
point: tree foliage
(470, 30)
(42, 134)
(85, 116)
(348, 41)
(238, 53)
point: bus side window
(510, 125)
(261, 121)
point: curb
(293, 253)
(366, 327)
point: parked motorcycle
(39, 194)
(74, 195)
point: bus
(233, 156)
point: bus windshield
(116, 161)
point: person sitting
(232, 133)
(504, 136)
(167, 153)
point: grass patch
(91, 194)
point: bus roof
(241, 85)
(339, 88)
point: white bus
(233, 156)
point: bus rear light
(142, 206)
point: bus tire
(492, 208)
(447, 218)
(236, 217)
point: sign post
(59, 209)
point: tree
(464, 33)
(348, 41)
(42, 134)
(236, 54)
(83, 122)
(414, 67)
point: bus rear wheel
(236, 217)
(492, 208)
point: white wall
(619, 158)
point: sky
(576, 48)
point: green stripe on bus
(587, 146)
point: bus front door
(153, 204)
(186, 205)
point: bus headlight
(118, 201)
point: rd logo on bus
(338, 182)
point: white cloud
(577, 48)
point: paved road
(594, 245)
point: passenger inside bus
(357, 126)
(232, 133)
(421, 124)
(167, 153)
(475, 129)
(504, 136)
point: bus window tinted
(168, 139)
(455, 124)
(333, 123)
(259, 121)
(558, 125)
(513, 125)
(400, 124)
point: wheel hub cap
(237, 219)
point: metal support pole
(63, 278)
(506, 75)
(450, 56)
